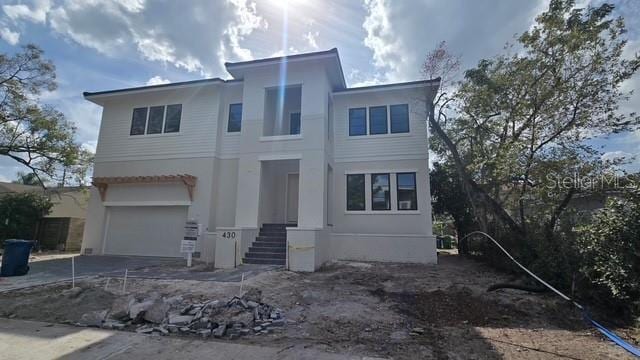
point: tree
(20, 213)
(35, 135)
(610, 248)
(26, 179)
(521, 116)
(449, 199)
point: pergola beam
(102, 183)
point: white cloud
(37, 13)
(399, 35)
(613, 155)
(244, 22)
(311, 38)
(157, 80)
(9, 36)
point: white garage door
(145, 230)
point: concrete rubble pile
(174, 315)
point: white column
(248, 199)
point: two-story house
(282, 164)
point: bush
(610, 251)
(19, 214)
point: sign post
(188, 244)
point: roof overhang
(433, 84)
(98, 96)
(331, 57)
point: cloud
(311, 38)
(399, 35)
(37, 13)
(613, 155)
(10, 36)
(185, 37)
(157, 80)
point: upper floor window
(355, 192)
(172, 122)
(406, 187)
(294, 123)
(156, 117)
(138, 121)
(357, 121)
(235, 118)
(377, 120)
(158, 120)
(399, 118)
(380, 192)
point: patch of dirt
(371, 309)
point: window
(294, 123)
(407, 196)
(235, 118)
(399, 118)
(156, 117)
(172, 122)
(380, 195)
(377, 120)
(357, 121)
(138, 121)
(355, 192)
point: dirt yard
(369, 309)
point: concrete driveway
(59, 269)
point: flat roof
(331, 53)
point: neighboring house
(63, 227)
(283, 150)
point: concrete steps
(270, 246)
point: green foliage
(20, 212)
(610, 248)
(33, 134)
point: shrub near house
(19, 214)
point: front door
(292, 198)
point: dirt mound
(450, 307)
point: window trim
(229, 118)
(365, 122)
(388, 175)
(364, 192)
(386, 118)
(415, 191)
(391, 120)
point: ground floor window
(407, 195)
(380, 194)
(392, 191)
(355, 192)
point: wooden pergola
(102, 183)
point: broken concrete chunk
(144, 330)
(156, 312)
(93, 318)
(252, 304)
(113, 325)
(138, 308)
(180, 319)
(220, 330)
(163, 330)
(120, 307)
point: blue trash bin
(15, 258)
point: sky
(109, 44)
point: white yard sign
(188, 243)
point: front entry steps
(270, 246)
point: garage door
(145, 230)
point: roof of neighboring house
(8, 187)
(68, 201)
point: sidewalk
(24, 340)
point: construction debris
(156, 315)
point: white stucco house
(281, 164)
